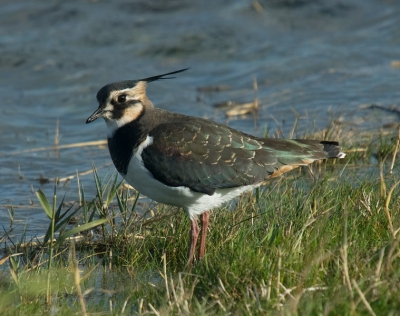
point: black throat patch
(123, 143)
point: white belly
(194, 203)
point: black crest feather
(154, 78)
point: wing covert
(205, 156)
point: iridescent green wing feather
(205, 156)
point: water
(319, 60)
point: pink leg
(204, 218)
(194, 234)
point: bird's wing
(205, 156)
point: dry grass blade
(396, 150)
(363, 299)
(84, 173)
(77, 278)
(4, 259)
(75, 145)
(387, 211)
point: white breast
(194, 203)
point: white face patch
(130, 114)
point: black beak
(98, 113)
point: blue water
(317, 60)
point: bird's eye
(121, 98)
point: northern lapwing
(192, 162)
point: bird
(191, 162)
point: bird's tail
(329, 150)
(333, 149)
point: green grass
(320, 243)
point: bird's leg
(204, 218)
(194, 234)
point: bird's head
(123, 102)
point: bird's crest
(154, 78)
